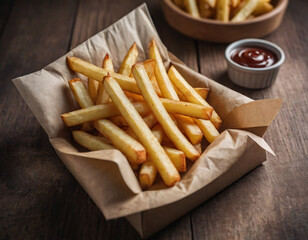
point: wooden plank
(5, 10)
(32, 177)
(271, 201)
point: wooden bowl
(217, 31)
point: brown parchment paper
(106, 175)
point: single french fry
(129, 60)
(191, 8)
(161, 113)
(262, 8)
(179, 3)
(90, 142)
(158, 132)
(93, 88)
(97, 112)
(223, 10)
(245, 11)
(83, 98)
(119, 121)
(191, 94)
(191, 129)
(163, 81)
(211, 3)
(80, 92)
(102, 95)
(134, 96)
(208, 129)
(235, 3)
(180, 107)
(177, 157)
(159, 157)
(130, 147)
(203, 92)
(149, 66)
(97, 73)
(147, 174)
(198, 147)
(206, 10)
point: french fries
(191, 7)
(191, 94)
(159, 157)
(102, 95)
(190, 128)
(225, 10)
(143, 111)
(161, 114)
(91, 142)
(80, 92)
(129, 60)
(109, 110)
(245, 11)
(130, 147)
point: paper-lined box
(106, 175)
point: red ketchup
(254, 57)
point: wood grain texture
(270, 202)
(31, 173)
(40, 198)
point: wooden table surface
(40, 199)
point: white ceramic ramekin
(254, 78)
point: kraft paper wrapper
(106, 175)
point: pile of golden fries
(225, 10)
(154, 117)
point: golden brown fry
(147, 174)
(198, 147)
(159, 157)
(223, 10)
(262, 8)
(80, 92)
(134, 96)
(191, 8)
(191, 129)
(131, 148)
(158, 132)
(129, 60)
(97, 73)
(177, 157)
(93, 88)
(179, 3)
(180, 107)
(162, 78)
(206, 10)
(96, 112)
(102, 95)
(245, 11)
(203, 92)
(149, 66)
(191, 94)
(208, 129)
(161, 114)
(119, 121)
(235, 3)
(91, 142)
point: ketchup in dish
(254, 57)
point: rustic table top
(40, 199)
